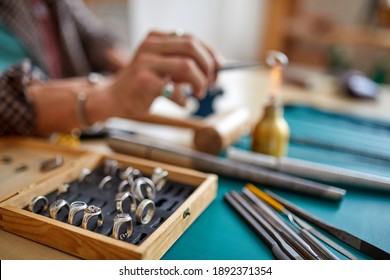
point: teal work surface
(220, 233)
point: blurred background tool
(357, 84)
(346, 237)
(206, 105)
(153, 149)
(312, 170)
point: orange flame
(276, 80)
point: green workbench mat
(320, 136)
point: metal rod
(312, 170)
(324, 238)
(159, 151)
(340, 148)
(240, 65)
(321, 250)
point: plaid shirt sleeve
(17, 115)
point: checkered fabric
(82, 37)
(16, 112)
(83, 42)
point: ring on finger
(168, 89)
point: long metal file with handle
(346, 237)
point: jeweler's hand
(162, 57)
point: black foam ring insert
(167, 201)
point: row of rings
(74, 208)
(143, 213)
(128, 176)
(111, 169)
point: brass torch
(271, 134)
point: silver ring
(75, 207)
(56, 206)
(120, 197)
(85, 176)
(126, 173)
(168, 89)
(147, 185)
(130, 174)
(177, 33)
(145, 211)
(123, 185)
(159, 177)
(62, 189)
(52, 163)
(94, 78)
(89, 212)
(106, 181)
(134, 175)
(111, 167)
(119, 220)
(34, 202)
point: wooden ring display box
(21, 180)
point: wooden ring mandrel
(212, 134)
(222, 130)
